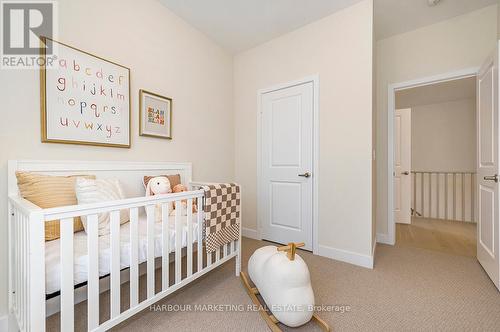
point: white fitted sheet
(52, 251)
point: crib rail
(448, 195)
(25, 285)
(27, 257)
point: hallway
(452, 237)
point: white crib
(28, 303)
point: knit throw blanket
(222, 214)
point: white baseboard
(250, 233)
(384, 238)
(329, 252)
(346, 256)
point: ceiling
(437, 93)
(393, 17)
(238, 25)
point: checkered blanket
(222, 214)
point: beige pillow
(90, 191)
(48, 191)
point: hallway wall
(444, 136)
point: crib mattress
(52, 251)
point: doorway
(485, 200)
(287, 163)
(392, 90)
(435, 162)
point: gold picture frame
(43, 99)
(143, 122)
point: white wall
(462, 42)
(444, 136)
(339, 49)
(498, 17)
(166, 56)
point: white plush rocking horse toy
(282, 280)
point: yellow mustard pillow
(48, 191)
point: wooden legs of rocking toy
(270, 320)
(252, 292)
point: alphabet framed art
(155, 115)
(85, 99)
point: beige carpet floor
(410, 289)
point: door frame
(390, 238)
(314, 79)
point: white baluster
(178, 242)
(200, 234)
(165, 263)
(463, 197)
(37, 271)
(217, 254)
(422, 201)
(430, 195)
(438, 196)
(115, 263)
(454, 196)
(446, 196)
(10, 253)
(27, 270)
(67, 283)
(134, 258)
(472, 202)
(209, 258)
(238, 256)
(151, 253)
(93, 272)
(22, 271)
(189, 244)
(17, 258)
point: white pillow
(96, 191)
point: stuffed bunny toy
(178, 189)
(158, 186)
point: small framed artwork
(85, 99)
(155, 115)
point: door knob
(491, 178)
(405, 173)
(306, 174)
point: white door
(402, 166)
(487, 169)
(286, 186)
